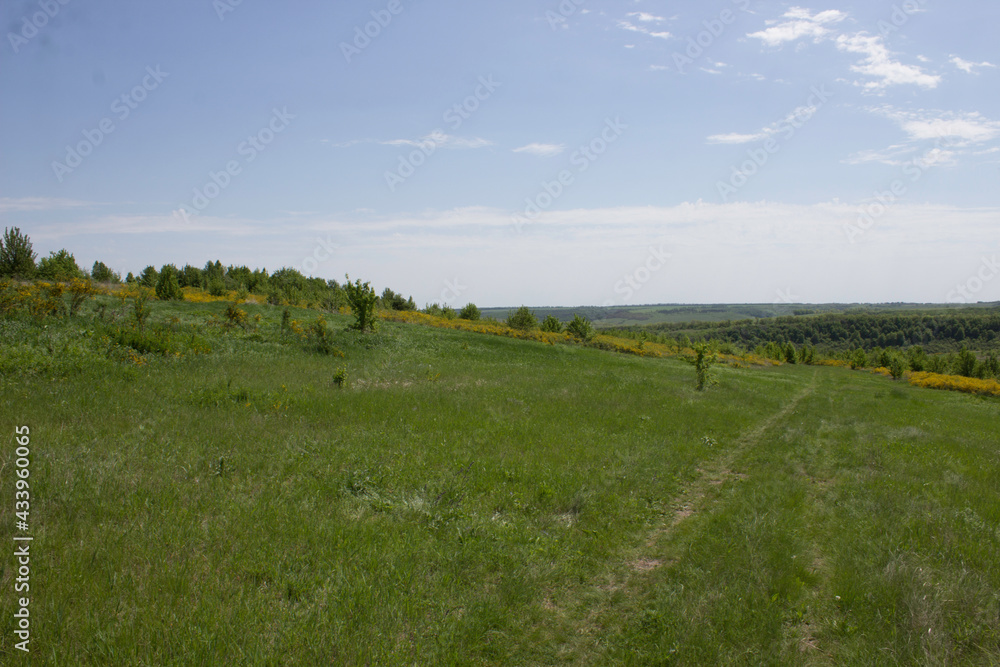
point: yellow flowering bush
(955, 383)
(600, 341)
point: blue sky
(547, 153)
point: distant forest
(936, 331)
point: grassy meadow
(424, 496)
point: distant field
(619, 316)
(478, 500)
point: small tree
(897, 365)
(522, 319)
(102, 274)
(966, 362)
(362, 299)
(167, 286)
(790, 353)
(140, 307)
(552, 324)
(917, 359)
(703, 361)
(148, 277)
(582, 328)
(470, 312)
(17, 260)
(859, 359)
(59, 266)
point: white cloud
(953, 135)
(879, 65)
(543, 150)
(439, 139)
(26, 204)
(968, 67)
(792, 120)
(802, 24)
(646, 18)
(961, 128)
(628, 25)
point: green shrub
(148, 277)
(582, 328)
(362, 299)
(59, 266)
(140, 307)
(917, 359)
(703, 361)
(522, 319)
(897, 365)
(236, 316)
(470, 312)
(167, 286)
(965, 363)
(552, 324)
(323, 337)
(859, 359)
(217, 287)
(102, 274)
(17, 260)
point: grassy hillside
(471, 499)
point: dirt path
(693, 499)
(696, 498)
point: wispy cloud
(436, 139)
(646, 17)
(800, 24)
(968, 67)
(964, 128)
(954, 135)
(543, 150)
(632, 27)
(27, 204)
(878, 64)
(789, 121)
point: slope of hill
(431, 496)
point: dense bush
(522, 319)
(552, 324)
(582, 328)
(167, 286)
(17, 260)
(470, 312)
(102, 274)
(59, 265)
(362, 299)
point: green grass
(466, 499)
